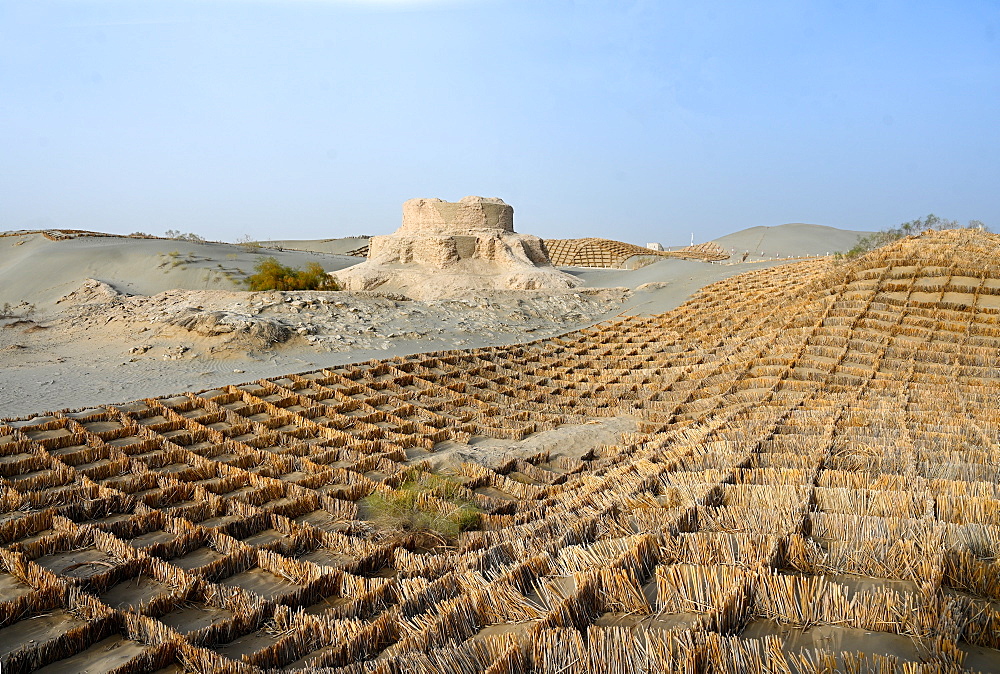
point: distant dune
(789, 240)
(132, 265)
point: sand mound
(91, 292)
(808, 475)
(446, 249)
(790, 240)
(214, 323)
(131, 265)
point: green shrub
(398, 510)
(272, 275)
(886, 236)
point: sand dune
(38, 270)
(789, 240)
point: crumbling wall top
(435, 216)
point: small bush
(398, 510)
(886, 236)
(183, 236)
(248, 244)
(272, 275)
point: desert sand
(794, 469)
(104, 322)
(788, 240)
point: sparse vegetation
(272, 275)
(401, 508)
(886, 236)
(248, 244)
(183, 236)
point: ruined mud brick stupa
(448, 248)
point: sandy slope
(128, 333)
(40, 271)
(789, 240)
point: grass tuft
(401, 509)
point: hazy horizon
(641, 121)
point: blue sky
(641, 121)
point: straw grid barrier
(811, 485)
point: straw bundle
(458, 619)
(46, 594)
(742, 520)
(502, 603)
(685, 588)
(619, 592)
(964, 570)
(846, 527)
(968, 509)
(98, 623)
(898, 504)
(110, 505)
(30, 524)
(559, 650)
(982, 541)
(735, 655)
(198, 659)
(885, 558)
(366, 601)
(746, 550)
(362, 644)
(240, 612)
(472, 657)
(523, 575)
(578, 609)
